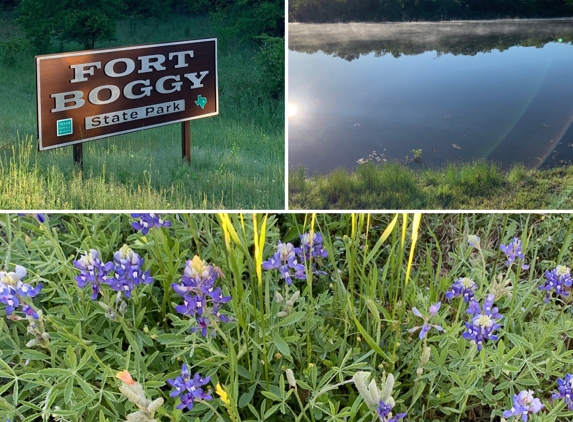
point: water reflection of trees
(456, 44)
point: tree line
(423, 10)
(89, 22)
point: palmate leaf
(291, 319)
(281, 345)
(34, 355)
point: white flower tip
(20, 272)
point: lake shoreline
(302, 35)
(479, 185)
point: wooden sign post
(186, 141)
(79, 156)
(95, 94)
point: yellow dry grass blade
(226, 234)
(229, 231)
(415, 228)
(382, 239)
(404, 227)
(312, 220)
(353, 218)
(259, 240)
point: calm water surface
(457, 91)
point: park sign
(94, 94)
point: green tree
(38, 19)
(8, 4)
(271, 59)
(87, 27)
(149, 8)
(250, 19)
(83, 21)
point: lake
(458, 91)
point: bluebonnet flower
(199, 292)
(385, 413)
(484, 322)
(40, 217)
(474, 241)
(558, 279)
(565, 390)
(13, 290)
(148, 221)
(427, 326)
(128, 272)
(285, 260)
(29, 311)
(512, 251)
(93, 271)
(290, 260)
(463, 286)
(523, 405)
(189, 388)
(311, 247)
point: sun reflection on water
(292, 110)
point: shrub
(271, 59)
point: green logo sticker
(201, 101)
(64, 127)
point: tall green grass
(391, 186)
(237, 158)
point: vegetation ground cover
(237, 158)
(346, 317)
(393, 186)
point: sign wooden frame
(87, 95)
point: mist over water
(459, 91)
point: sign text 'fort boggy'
(94, 94)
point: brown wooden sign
(94, 94)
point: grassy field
(237, 158)
(392, 186)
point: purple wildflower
(189, 388)
(565, 390)
(128, 272)
(463, 286)
(29, 311)
(40, 217)
(199, 292)
(385, 413)
(474, 241)
(558, 279)
(512, 251)
(290, 260)
(93, 271)
(311, 247)
(523, 404)
(13, 290)
(285, 260)
(484, 322)
(427, 326)
(148, 221)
